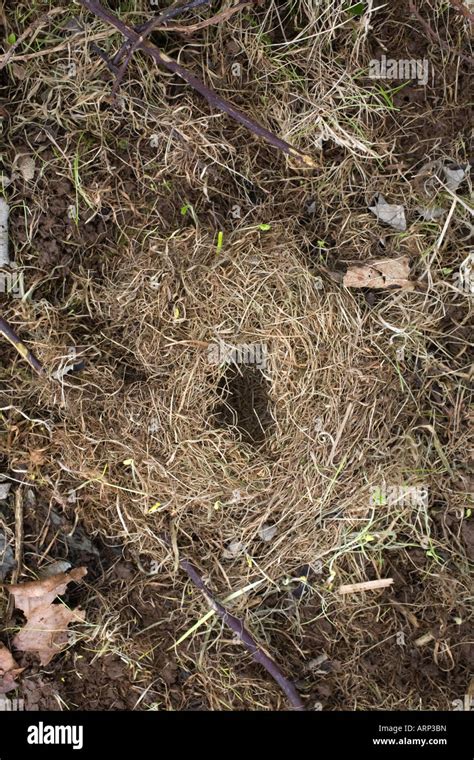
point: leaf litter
(46, 630)
(384, 273)
(9, 670)
(389, 213)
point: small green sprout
(356, 10)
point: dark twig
(146, 29)
(108, 62)
(123, 68)
(213, 98)
(157, 24)
(245, 637)
(176, 10)
(7, 331)
(216, 19)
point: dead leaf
(45, 632)
(389, 213)
(72, 25)
(18, 71)
(8, 670)
(233, 549)
(4, 489)
(267, 532)
(37, 456)
(455, 175)
(5, 181)
(384, 273)
(7, 558)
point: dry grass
(152, 440)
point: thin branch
(216, 19)
(176, 10)
(108, 62)
(157, 25)
(129, 51)
(146, 29)
(255, 649)
(213, 98)
(8, 332)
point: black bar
(136, 735)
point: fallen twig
(146, 29)
(213, 98)
(176, 10)
(216, 19)
(159, 23)
(245, 637)
(351, 588)
(8, 332)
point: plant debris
(380, 274)
(391, 214)
(46, 630)
(9, 670)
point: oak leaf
(46, 629)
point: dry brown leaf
(18, 71)
(384, 273)
(45, 632)
(8, 670)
